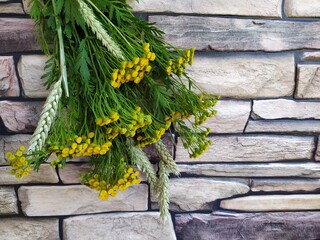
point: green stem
(63, 67)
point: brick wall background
(259, 180)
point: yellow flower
(19, 153)
(22, 148)
(91, 135)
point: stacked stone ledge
(262, 173)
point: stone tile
(20, 117)
(308, 78)
(285, 109)
(232, 34)
(76, 199)
(8, 79)
(317, 155)
(71, 173)
(244, 75)
(297, 202)
(120, 226)
(11, 8)
(232, 117)
(8, 201)
(285, 185)
(252, 149)
(222, 225)
(46, 174)
(12, 144)
(306, 8)
(283, 126)
(29, 228)
(265, 8)
(310, 56)
(300, 170)
(17, 35)
(193, 194)
(31, 68)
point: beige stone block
(265, 8)
(297, 170)
(283, 126)
(76, 199)
(305, 8)
(46, 174)
(252, 149)
(11, 8)
(192, 194)
(232, 117)
(31, 68)
(29, 228)
(273, 203)
(120, 226)
(244, 75)
(308, 78)
(234, 34)
(8, 79)
(285, 109)
(310, 56)
(20, 117)
(284, 185)
(8, 201)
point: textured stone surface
(71, 173)
(8, 201)
(244, 75)
(252, 149)
(46, 174)
(8, 79)
(273, 203)
(266, 8)
(283, 126)
(28, 228)
(17, 35)
(318, 151)
(27, 4)
(285, 185)
(310, 56)
(14, 8)
(31, 68)
(151, 151)
(308, 170)
(192, 194)
(130, 226)
(284, 108)
(305, 8)
(221, 226)
(308, 81)
(12, 144)
(20, 117)
(231, 34)
(232, 117)
(68, 200)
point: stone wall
(259, 180)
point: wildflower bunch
(124, 87)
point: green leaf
(59, 6)
(83, 61)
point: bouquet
(116, 87)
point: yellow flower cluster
(130, 177)
(80, 146)
(133, 70)
(149, 137)
(102, 121)
(175, 115)
(180, 64)
(126, 126)
(18, 162)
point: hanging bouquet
(116, 87)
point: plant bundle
(116, 87)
